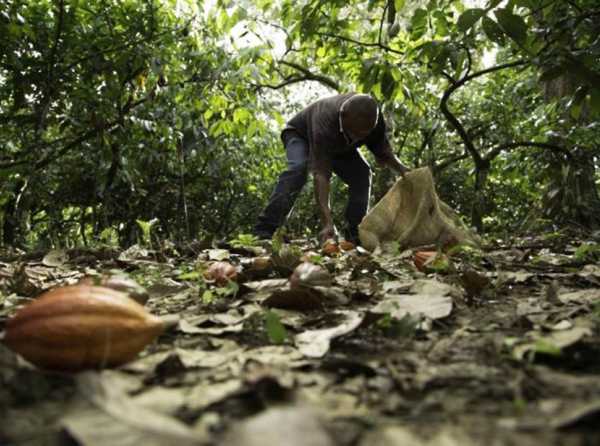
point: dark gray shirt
(319, 124)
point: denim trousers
(351, 168)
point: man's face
(356, 130)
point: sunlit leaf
(418, 23)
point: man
(325, 137)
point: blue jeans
(352, 169)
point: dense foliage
(115, 115)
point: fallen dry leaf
(315, 343)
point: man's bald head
(358, 116)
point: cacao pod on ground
(221, 273)
(330, 247)
(422, 257)
(81, 327)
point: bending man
(325, 137)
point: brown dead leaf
(474, 282)
(298, 299)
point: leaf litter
(355, 348)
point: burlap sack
(412, 214)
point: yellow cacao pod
(81, 327)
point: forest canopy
(120, 114)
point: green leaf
(492, 30)
(418, 24)
(208, 297)
(468, 18)
(244, 241)
(388, 84)
(275, 329)
(441, 23)
(192, 275)
(546, 347)
(400, 4)
(512, 24)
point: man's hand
(328, 232)
(402, 170)
(322, 196)
(395, 164)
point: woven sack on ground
(411, 214)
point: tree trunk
(572, 196)
(480, 201)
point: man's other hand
(395, 164)
(402, 170)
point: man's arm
(322, 196)
(379, 145)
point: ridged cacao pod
(330, 247)
(81, 327)
(221, 273)
(422, 257)
(310, 275)
(432, 261)
(346, 245)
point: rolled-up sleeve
(378, 143)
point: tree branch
(438, 167)
(380, 32)
(514, 145)
(460, 129)
(316, 77)
(40, 164)
(489, 70)
(285, 83)
(358, 42)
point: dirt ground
(495, 346)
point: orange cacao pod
(347, 245)
(330, 247)
(81, 327)
(421, 257)
(221, 272)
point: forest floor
(499, 346)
